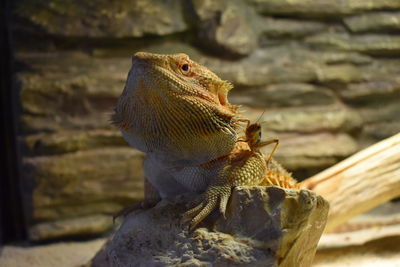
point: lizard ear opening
(224, 88)
(222, 98)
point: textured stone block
(81, 226)
(83, 183)
(284, 95)
(370, 92)
(71, 141)
(322, 8)
(307, 119)
(100, 18)
(374, 22)
(264, 227)
(373, 44)
(291, 64)
(288, 28)
(227, 27)
(314, 151)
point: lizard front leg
(243, 167)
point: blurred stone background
(325, 72)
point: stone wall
(325, 72)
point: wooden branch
(361, 182)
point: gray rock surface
(83, 183)
(313, 151)
(264, 227)
(101, 18)
(374, 44)
(61, 254)
(382, 110)
(288, 28)
(307, 120)
(362, 247)
(322, 8)
(226, 26)
(284, 95)
(290, 64)
(374, 22)
(82, 226)
(362, 93)
(381, 130)
(71, 141)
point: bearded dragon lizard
(177, 112)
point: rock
(31, 124)
(284, 95)
(101, 18)
(69, 90)
(70, 76)
(290, 64)
(312, 151)
(65, 211)
(59, 254)
(373, 44)
(381, 130)
(287, 229)
(288, 28)
(343, 73)
(374, 22)
(363, 93)
(82, 183)
(380, 111)
(174, 47)
(384, 69)
(345, 58)
(376, 101)
(323, 8)
(264, 66)
(81, 226)
(129, 47)
(307, 120)
(225, 27)
(71, 141)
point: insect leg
(276, 141)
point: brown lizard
(177, 111)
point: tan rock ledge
(265, 226)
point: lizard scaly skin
(176, 111)
(244, 166)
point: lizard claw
(223, 203)
(213, 196)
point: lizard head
(171, 102)
(186, 77)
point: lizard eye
(185, 68)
